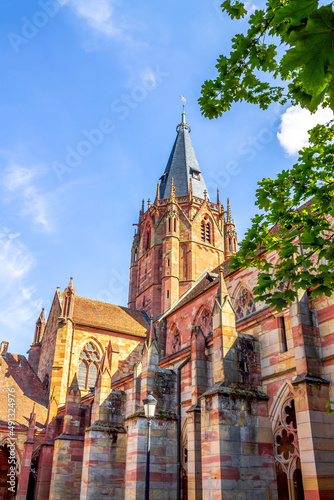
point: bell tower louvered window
(206, 230)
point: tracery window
(174, 343)
(244, 304)
(204, 319)
(286, 452)
(89, 362)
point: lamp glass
(149, 406)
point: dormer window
(163, 179)
(195, 174)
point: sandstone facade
(241, 389)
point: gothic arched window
(174, 340)
(204, 320)
(148, 239)
(244, 304)
(89, 362)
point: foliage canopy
(292, 221)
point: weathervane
(184, 101)
(183, 124)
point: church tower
(178, 236)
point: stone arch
(274, 410)
(243, 301)
(173, 340)
(9, 441)
(286, 446)
(9, 457)
(147, 236)
(203, 318)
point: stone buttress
(105, 438)
(163, 470)
(315, 427)
(237, 446)
(68, 448)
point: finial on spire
(74, 387)
(157, 197)
(229, 219)
(205, 195)
(172, 190)
(143, 207)
(149, 203)
(218, 201)
(190, 189)
(151, 334)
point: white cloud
(295, 124)
(18, 307)
(97, 13)
(19, 186)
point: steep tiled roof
(181, 162)
(104, 315)
(209, 280)
(15, 372)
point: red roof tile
(16, 372)
(104, 315)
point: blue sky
(89, 104)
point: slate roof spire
(182, 165)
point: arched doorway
(286, 449)
(7, 490)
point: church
(241, 389)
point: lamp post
(149, 407)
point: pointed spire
(74, 387)
(40, 327)
(143, 207)
(32, 414)
(172, 190)
(229, 219)
(157, 196)
(31, 425)
(222, 289)
(190, 189)
(106, 359)
(218, 201)
(68, 302)
(151, 333)
(182, 164)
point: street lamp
(149, 407)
